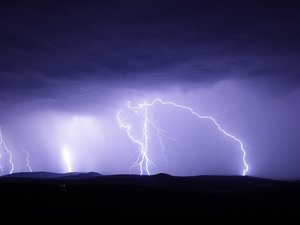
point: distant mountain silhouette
(87, 194)
(50, 175)
(160, 180)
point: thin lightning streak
(144, 142)
(8, 151)
(27, 160)
(145, 139)
(161, 134)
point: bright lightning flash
(143, 160)
(2, 143)
(27, 160)
(67, 158)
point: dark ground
(93, 195)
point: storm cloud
(49, 45)
(235, 60)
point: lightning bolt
(67, 158)
(8, 152)
(27, 160)
(143, 160)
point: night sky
(68, 67)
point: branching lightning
(27, 160)
(2, 143)
(143, 160)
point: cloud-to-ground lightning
(27, 160)
(3, 144)
(67, 158)
(143, 160)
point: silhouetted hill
(157, 195)
(50, 175)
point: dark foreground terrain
(91, 194)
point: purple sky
(68, 67)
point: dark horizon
(89, 196)
(68, 67)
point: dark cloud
(50, 44)
(62, 60)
